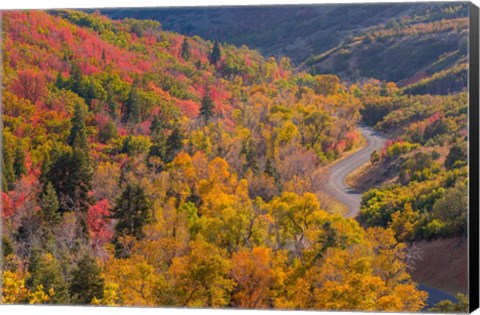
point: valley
(152, 159)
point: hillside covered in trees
(144, 167)
(398, 42)
(425, 165)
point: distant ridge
(368, 45)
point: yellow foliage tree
(254, 276)
(200, 279)
(13, 290)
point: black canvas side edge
(473, 158)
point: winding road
(337, 187)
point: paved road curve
(337, 186)
(338, 189)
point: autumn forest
(145, 167)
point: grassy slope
(443, 264)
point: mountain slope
(145, 168)
(391, 42)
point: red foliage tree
(30, 85)
(101, 231)
(7, 206)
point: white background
(45, 4)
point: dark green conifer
(45, 168)
(156, 128)
(271, 170)
(157, 135)
(174, 143)
(50, 206)
(133, 211)
(60, 81)
(87, 282)
(109, 131)
(78, 129)
(206, 108)
(19, 162)
(216, 53)
(186, 54)
(71, 175)
(75, 82)
(8, 171)
(132, 108)
(250, 152)
(46, 271)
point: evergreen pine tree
(186, 54)
(60, 81)
(250, 155)
(44, 169)
(50, 206)
(75, 82)
(271, 171)
(132, 210)
(216, 53)
(112, 107)
(78, 129)
(71, 175)
(157, 135)
(104, 55)
(174, 143)
(60, 177)
(457, 156)
(8, 171)
(109, 131)
(132, 109)
(87, 282)
(46, 271)
(19, 162)
(81, 177)
(206, 108)
(156, 128)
